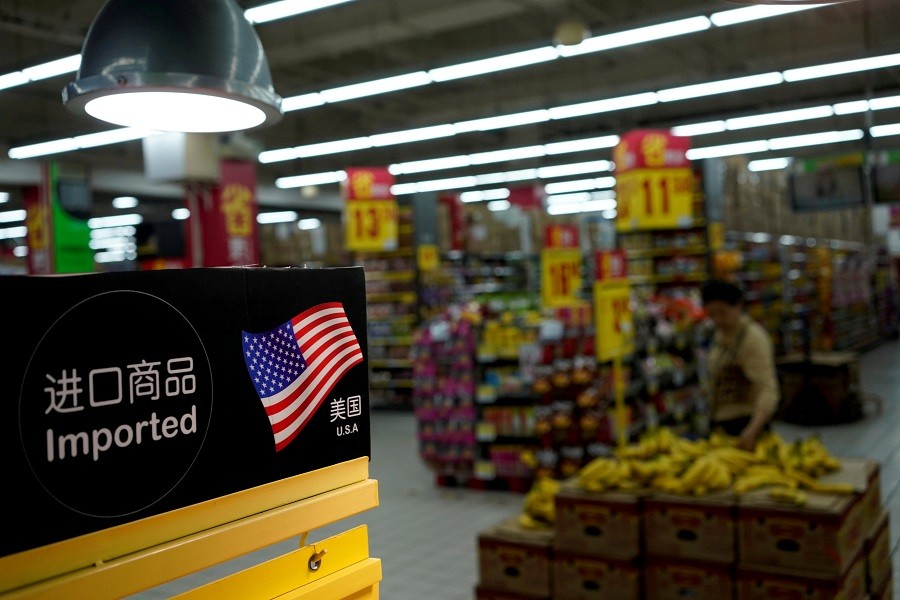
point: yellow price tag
(613, 321)
(655, 198)
(371, 225)
(427, 257)
(561, 277)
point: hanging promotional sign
(370, 210)
(614, 335)
(235, 378)
(654, 181)
(427, 257)
(561, 235)
(222, 231)
(561, 277)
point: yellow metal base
(137, 556)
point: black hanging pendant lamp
(174, 65)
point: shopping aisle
(426, 535)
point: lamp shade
(174, 65)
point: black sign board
(130, 394)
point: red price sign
(371, 225)
(654, 198)
(560, 278)
(610, 266)
(561, 236)
(612, 307)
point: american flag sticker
(295, 366)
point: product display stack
(670, 518)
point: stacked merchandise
(542, 406)
(668, 518)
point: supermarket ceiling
(557, 98)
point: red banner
(223, 230)
(367, 183)
(38, 219)
(651, 149)
(610, 265)
(456, 221)
(526, 198)
(561, 236)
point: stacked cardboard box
(630, 546)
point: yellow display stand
(137, 556)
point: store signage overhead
(654, 181)
(133, 394)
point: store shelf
(395, 383)
(674, 251)
(390, 275)
(391, 297)
(680, 278)
(390, 341)
(390, 363)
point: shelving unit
(392, 310)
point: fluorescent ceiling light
(601, 106)
(775, 118)
(313, 179)
(9, 233)
(813, 139)
(482, 195)
(848, 108)
(498, 205)
(638, 35)
(376, 86)
(107, 232)
(4, 197)
(53, 68)
(595, 166)
(401, 189)
(430, 164)
(450, 183)
(753, 13)
(482, 158)
(768, 164)
(496, 63)
(412, 135)
(109, 256)
(885, 130)
(566, 208)
(281, 216)
(91, 140)
(13, 79)
(579, 185)
(727, 150)
(609, 214)
(308, 224)
(568, 198)
(302, 101)
(519, 175)
(719, 87)
(11, 216)
(698, 128)
(115, 221)
(842, 68)
(125, 202)
(595, 143)
(503, 121)
(20, 251)
(333, 147)
(286, 8)
(884, 103)
(180, 214)
(119, 243)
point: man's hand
(748, 437)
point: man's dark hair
(724, 291)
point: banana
(788, 495)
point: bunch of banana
(602, 474)
(758, 476)
(706, 474)
(539, 505)
(735, 459)
(814, 485)
(788, 495)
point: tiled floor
(426, 535)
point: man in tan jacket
(742, 383)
